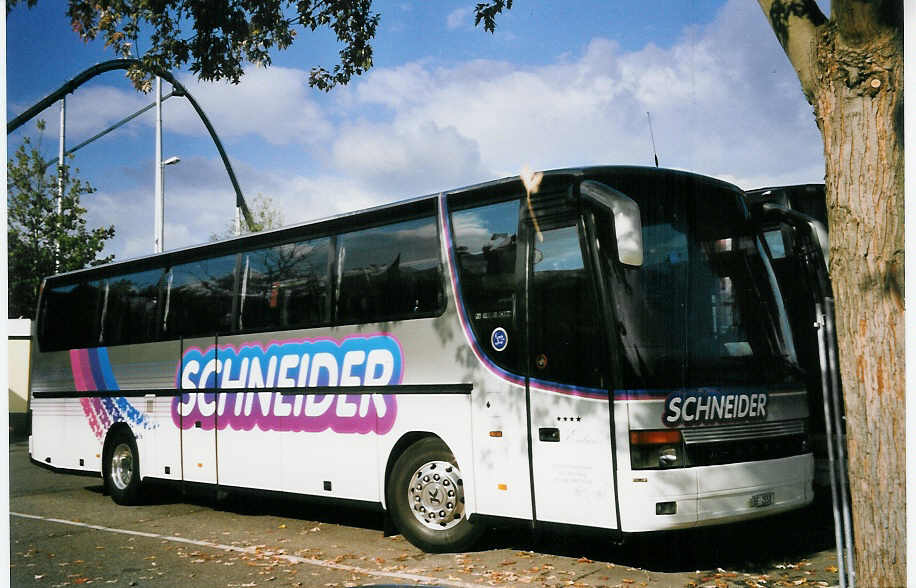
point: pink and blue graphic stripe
(92, 373)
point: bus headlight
(657, 449)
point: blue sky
(559, 84)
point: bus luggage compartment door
(197, 410)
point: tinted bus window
(71, 316)
(130, 310)
(486, 241)
(199, 297)
(285, 286)
(566, 340)
(389, 272)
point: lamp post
(60, 175)
(159, 204)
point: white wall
(18, 342)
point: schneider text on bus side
(355, 361)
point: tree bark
(859, 108)
(855, 84)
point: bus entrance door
(197, 410)
(569, 410)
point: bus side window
(72, 313)
(285, 286)
(201, 297)
(389, 273)
(486, 244)
(131, 308)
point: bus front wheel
(122, 469)
(426, 498)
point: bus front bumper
(711, 495)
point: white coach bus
(609, 352)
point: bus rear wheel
(425, 496)
(122, 469)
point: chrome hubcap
(436, 495)
(122, 466)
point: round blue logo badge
(499, 339)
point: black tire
(430, 512)
(121, 467)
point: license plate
(762, 499)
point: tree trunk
(858, 100)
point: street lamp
(159, 239)
(159, 204)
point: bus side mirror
(799, 222)
(625, 216)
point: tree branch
(796, 24)
(859, 21)
(487, 12)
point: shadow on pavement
(753, 546)
(254, 503)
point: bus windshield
(703, 309)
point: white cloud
(85, 117)
(273, 104)
(458, 18)
(91, 109)
(200, 202)
(422, 157)
(131, 213)
(724, 101)
(393, 88)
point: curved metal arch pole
(70, 85)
